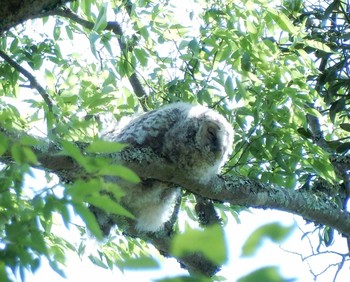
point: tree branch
(233, 189)
(116, 28)
(15, 12)
(33, 82)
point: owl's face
(215, 137)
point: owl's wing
(145, 130)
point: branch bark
(233, 189)
(14, 12)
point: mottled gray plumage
(193, 138)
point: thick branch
(232, 189)
(17, 11)
(239, 190)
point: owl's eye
(211, 133)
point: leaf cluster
(267, 68)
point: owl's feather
(194, 139)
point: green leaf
(23, 154)
(56, 32)
(101, 21)
(318, 45)
(69, 32)
(37, 241)
(141, 56)
(194, 46)
(81, 189)
(229, 89)
(140, 263)
(246, 62)
(72, 150)
(120, 171)
(282, 20)
(269, 273)
(305, 132)
(335, 108)
(56, 268)
(30, 157)
(274, 231)
(323, 168)
(3, 273)
(89, 219)
(328, 236)
(210, 242)
(343, 147)
(105, 203)
(101, 146)
(345, 126)
(95, 260)
(3, 144)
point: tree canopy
(277, 70)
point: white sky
(270, 254)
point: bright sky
(270, 254)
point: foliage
(268, 67)
(202, 241)
(274, 231)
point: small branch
(33, 82)
(340, 164)
(317, 134)
(117, 30)
(206, 212)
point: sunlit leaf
(120, 171)
(229, 89)
(105, 203)
(210, 242)
(323, 168)
(318, 45)
(273, 231)
(89, 219)
(282, 20)
(270, 274)
(141, 263)
(101, 146)
(101, 21)
(97, 261)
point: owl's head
(215, 135)
(213, 141)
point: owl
(193, 139)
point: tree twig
(116, 28)
(33, 82)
